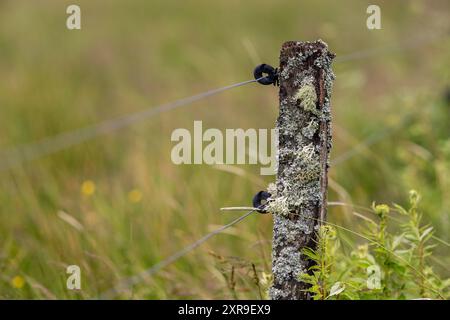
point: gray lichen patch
(310, 195)
(288, 264)
(289, 229)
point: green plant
(393, 263)
(320, 275)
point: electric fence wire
(129, 282)
(15, 156)
(371, 140)
(408, 44)
(65, 140)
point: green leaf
(336, 289)
(426, 232)
(310, 254)
(400, 209)
(397, 241)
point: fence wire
(21, 154)
(371, 140)
(129, 282)
(408, 44)
(16, 156)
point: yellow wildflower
(88, 188)
(135, 196)
(18, 282)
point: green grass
(129, 56)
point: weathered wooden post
(304, 129)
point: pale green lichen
(272, 189)
(310, 130)
(311, 173)
(310, 165)
(278, 205)
(308, 98)
(307, 153)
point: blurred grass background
(117, 205)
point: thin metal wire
(371, 140)
(129, 282)
(62, 141)
(380, 135)
(372, 52)
(15, 156)
(417, 271)
(359, 207)
(18, 155)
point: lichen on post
(304, 131)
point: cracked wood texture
(304, 129)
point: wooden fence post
(304, 131)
